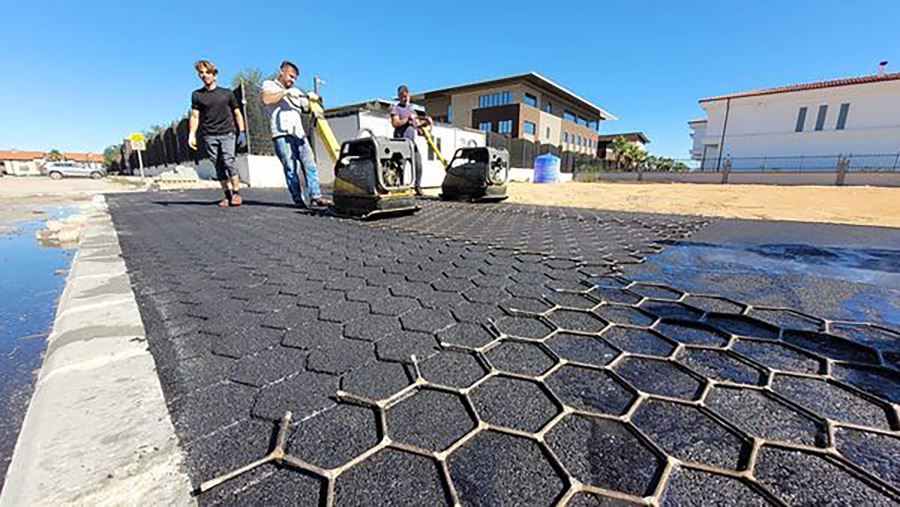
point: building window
(437, 142)
(548, 107)
(529, 128)
(484, 126)
(820, 118)
(495, 99)
(582, 121)
(569, 115)
(566, 137)
(842, 117)
(548, 132)
(594, 125)
(504, 126)
(801, 120)
(530, 100)
(449, 113)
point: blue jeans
(299, 166)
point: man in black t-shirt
(215, 112)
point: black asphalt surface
(504, 354)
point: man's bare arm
(239, 120)
(193, 124)
(270, 98)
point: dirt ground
(842, 205)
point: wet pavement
(32, 278)
(505, 354)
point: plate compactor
(373, 176)
(476, 174)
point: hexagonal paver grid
(453, 369)
(513, 403)
(429, 419)
(606, 454)
(590, 389)
(659, 377)
(405, 478)
(498, 469)
(582, 349)
(322, 439)
(519, 357)
(579, 321)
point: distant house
(803, 126)
(29, 163)
(605, 142)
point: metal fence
(868, 162)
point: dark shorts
(220, 151)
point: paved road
(541, 374)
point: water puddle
(32, 278)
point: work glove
(313, 97)
(242, 140)
(294, 92)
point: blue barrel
(546, 168)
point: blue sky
(79, 75)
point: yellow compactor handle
(426, 133)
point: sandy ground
(840, 205)
(34, 197)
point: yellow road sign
(137, 138)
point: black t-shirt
(216, 110)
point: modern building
(29, 163)
(527, 106)
(807, 126)
(605, 142)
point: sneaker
(236, 200)
(321, 201)
(224, 203)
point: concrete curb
(97, 431)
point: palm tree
(54, 156)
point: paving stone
(427, 320)
(334, 437)
(377, 380)
(627, 315)
(605, 454)
(742, 325)
(371, 328)
(513, 403)
(268, 366)
(881, 382)
(466, 335)
(520, 357)
(688, 434)
(714, 304)
(400, 346)
(721, 365)
(831, 346)
(282, 487)
(591, 390)
(571, 300)
(786, 319)
(777, 356)
(694, 487)
(666, 309)
(207, 410)
(639, 341)
(875, 452)
(582, 349)
(476, 313)
(614, 295)
(523, 327)
(339, 356)
(310, 335)
(516, 305)
(394, 477)
(343, 311)
(659, 377)
(452, 369)
(394, 306)
(829, 400)
(585, 499)
(579, 321)
(303, 394)
(693, 333)
(761, 415)
(429, 419)
(498, 469)
(787, 474)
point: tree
(54, 156)
(248, 82)
(628, 155)
(111, 156)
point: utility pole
(722, 140)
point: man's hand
(294, 92)
(192, 141)
(313, 97)
(242, 140)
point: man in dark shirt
(215, 112)
(406, 124)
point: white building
(803, 126)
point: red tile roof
(874, 78)
(22, 156)
(26, 156)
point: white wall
(763, 126)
